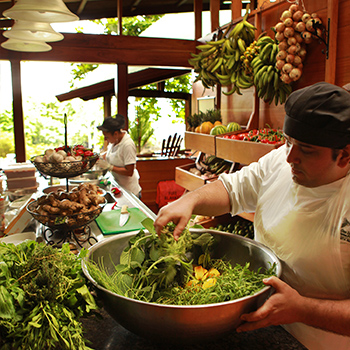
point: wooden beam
(18, 120)
(120, 49)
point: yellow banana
(216, 42)
(241, 45)
(204, 47)
(230, 92)
(236, 30)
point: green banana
(217, 65)
(265, 52)
(208, 52)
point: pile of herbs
(158, 269)
(43, 294)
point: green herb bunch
(43, 294)
(151, 264)
(233, 283)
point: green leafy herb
(157, 269)
(43, 294)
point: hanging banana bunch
(267, 78)
(219, 61)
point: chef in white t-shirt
(121, 153)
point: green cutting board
(108, 221)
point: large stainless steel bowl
(178, 324)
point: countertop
(107, 334)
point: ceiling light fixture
(51, 11)
(33, 31)
(32, 28)
(26, 45)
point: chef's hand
(281, 308)
(178, 213)
(103, 164)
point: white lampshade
(33, 31)
(26, 46)
(50, 11)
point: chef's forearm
(211, 199)
(329, 315)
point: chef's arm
(210, 200)
(286, 306)
(126, 170)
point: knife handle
(124, 209)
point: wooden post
(120, 16)
(198, 8)
(18, 120)
(123, 91)
(107, 108)
(331, 62)
(236, 9)
(214, 14)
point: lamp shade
(33, 31)
(50, 11)
(26, 46)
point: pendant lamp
(50, 11)
(32, 31)
(26, 45)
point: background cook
(121, 154)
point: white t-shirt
(303, 227)
(120, 155)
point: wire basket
(65, 223)
(65, 169)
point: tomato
(79, 152)
(88, 154)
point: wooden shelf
(201, 142)
(244, 152)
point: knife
(124, 215)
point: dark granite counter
(107, 334)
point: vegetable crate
(199, 141)
(244, 152)
(188, 180)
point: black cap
(112, 124)
(319, 115)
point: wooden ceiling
(96, 9)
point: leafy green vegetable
(157, 269)
(43, 294)
(150, 264)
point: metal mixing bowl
(179, 324)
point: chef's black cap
(112, 124)
(319, 115)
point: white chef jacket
(303, 227)
(120, 155)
